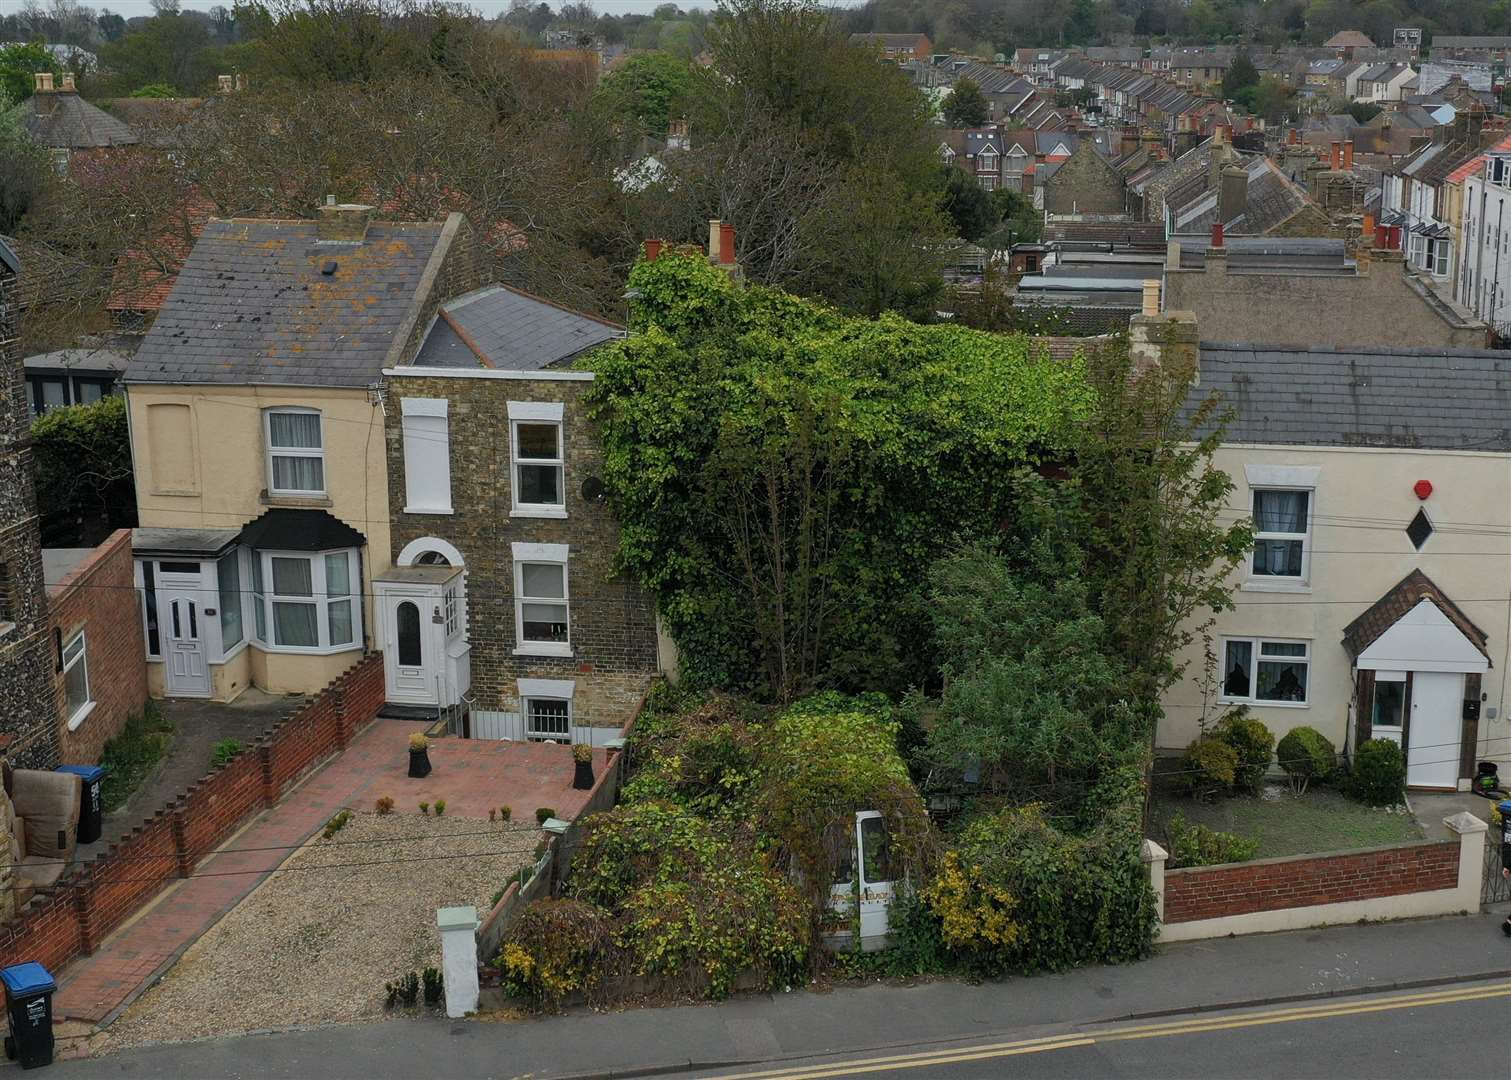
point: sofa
(42, 815)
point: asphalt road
(1450, 1031)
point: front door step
(391, 711)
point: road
(1449, 1031)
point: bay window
(306, 601)
(228, 575)
(296, 452)
(1262, 671)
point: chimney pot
(68, 84)
(1336, 160)
(726, 243)
(715, 235)
(1348, 155)
(1151, 297)
(1217, 234)
(652, 250)
(330, 200)
(226, 82)
(345, 222)
(241, 82)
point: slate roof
(64, 121)
(1405, 595)
(498, 327)
(1448, 399)
(1349, 39)
(1272, 199)
(1459, 41)
(252, 305)
(82, 359)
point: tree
(18, 63)
(647, 90)
(1241, 73)
(1362, 111)
(966, 106)
(83, 464)
(169, 49)
(968, 206)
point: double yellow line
(1191, 1026)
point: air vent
(1419, 530)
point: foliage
(1241, 74)
(647, 90)
(915, 944)
(384, 806)
(435, 987)
(582, 753)
(782, 473)
(83, 468)
(555, 947)
(1306, 755)
(18, 63)
(167, 50)
(1194, 844)
(403, 991)
(425, 808)
(505, 812)
(1252, 742)
(336, 824)
(968, 206)
(154, 90)
(418, 742)
(1378, 776)
(544, 814)
(1269, 98)
(440, 807)
(1363, 111)
(1021, 223)
(130, 758)
(223, 752)
(966, 106)
(1208, 766)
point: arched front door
(412, 648)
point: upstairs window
(427, 455)
(541, 617)
(536, 442)
(296, 452)
(1281, 521)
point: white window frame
(1441, 257)
(1256, 656)
(555, 691)
(78, 645)
(1283, 478)
(320, 597)
(272, 452)
(537, 412)
(541, 553)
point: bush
(554, 948)
(1306, 755)
(404, 990)
(384, 806)
(582, 753)
(505, 812)
(425, 808)
(435, 987)
(1208, 766)
(337, 823)
(543, 814)
(1193, 844)
(1254, 745)
(223, 752)
(1379, 773)
(440, 807)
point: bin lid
(29, 978)
(1505, 806)
(90, 773)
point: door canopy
(1415, 627)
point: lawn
(1320, 820)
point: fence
(94, 898)
(1497, 889)
(1398, 881)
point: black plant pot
(419, 762)
(582, 779)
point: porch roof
(182, 543)
(283, 529)
(1407, 595)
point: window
(7, 600)
(407, 619)
(452, 622)
(541, 621)
(296, 452)
(1390, 699)
(548, 718)
(149, 610)
(307, 601)
(1440, 258)
(875, 852)
(539, 467)
(427, 456)
(228, 573)
(77, 702)
(1261, 671)
(1281, 521)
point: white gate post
(458, 927)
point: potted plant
(419, 755)
(582, 779)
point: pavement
(1431, 807)
(1184, 980)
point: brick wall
(1214, 892)
(98, 597)
(95, 898)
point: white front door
(186, 672)
(1432, 753)
(413, 658)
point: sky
(130, 8)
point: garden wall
(94, 898)
(1398, 881)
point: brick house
(96, 625)
(896, 47)
(1085, 183)
(503, 580)
(26, 722)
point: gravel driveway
(315, 943)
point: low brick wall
(94, 898)
(1214, 892)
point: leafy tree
(169, 49)
(24, 168)
(1019, 222)
(1240, 74)
(966, 106)
(649, 89)
(18, 63)
(83, 462)
(1269, 98)
(1362, 111)
(969, 207)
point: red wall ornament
(1423, 488)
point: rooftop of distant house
(1349, 39)
(61, 120)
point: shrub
(384, 806)
(544, 814)
(404, 990)
(1254, 745)
(1306, 755)
(425, 808)
(418, 741)
(440, 807)
(1209, 765)
(435, 987)
(223, 752)
(505, 812)
(554, 948)
(1193, 844)
(1379, 773)
(337, 823)
(582, 753)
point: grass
(1321, 820)
(131, 756)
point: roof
(9, 257)
(79, 360)
(1470, 41)
(1405, 595)
(1349, 39)
(64, 121)
(282, 529)
(253, 304)
(1448, 399)
(504, 328)
(173, 542)
(1271, 199)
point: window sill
(305, 650)
(83, 714)
(558, 513)
(543, 649)
(295, 501)
(446, 510)
(1255, 703)
(1278, 585)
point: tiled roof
(1450, 399)
(503, 328)
(253, 304)
(1348, 39)
(1459, 41)
(1402, 598)
(64, 121)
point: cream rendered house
(257, 432)
(1375, 601)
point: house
(59, 119)
(1439, 74)
(1343, 80)
(1200, 68)
(1344, 42)
(1484, 276)
(1085, 183)
(1364, 610)
(1248, 196)
(1383, 82)
(896, 47)
(95, 619)
(257, 420)
(1415, 196)
(1488, 49)
(76, 376)
(28, 725)
(503, 571)
(1315, 81)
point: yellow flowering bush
(973, 913)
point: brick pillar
(343, 720)
(265, 760)
(83, 908)
(181, 842)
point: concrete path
(1190, 977)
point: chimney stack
(343, 222)
(1348, 155)
(1169, 341)
(42, 82)
(68, 84)
(715, 238)
(1233, 195)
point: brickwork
(1085, 183)
(612, 624)
(1213, 892)
(95, 898)
(97, 597)
(27, 723)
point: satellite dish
(593, 489)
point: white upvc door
(413, 645)
(186, 671)
(1432, 753)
